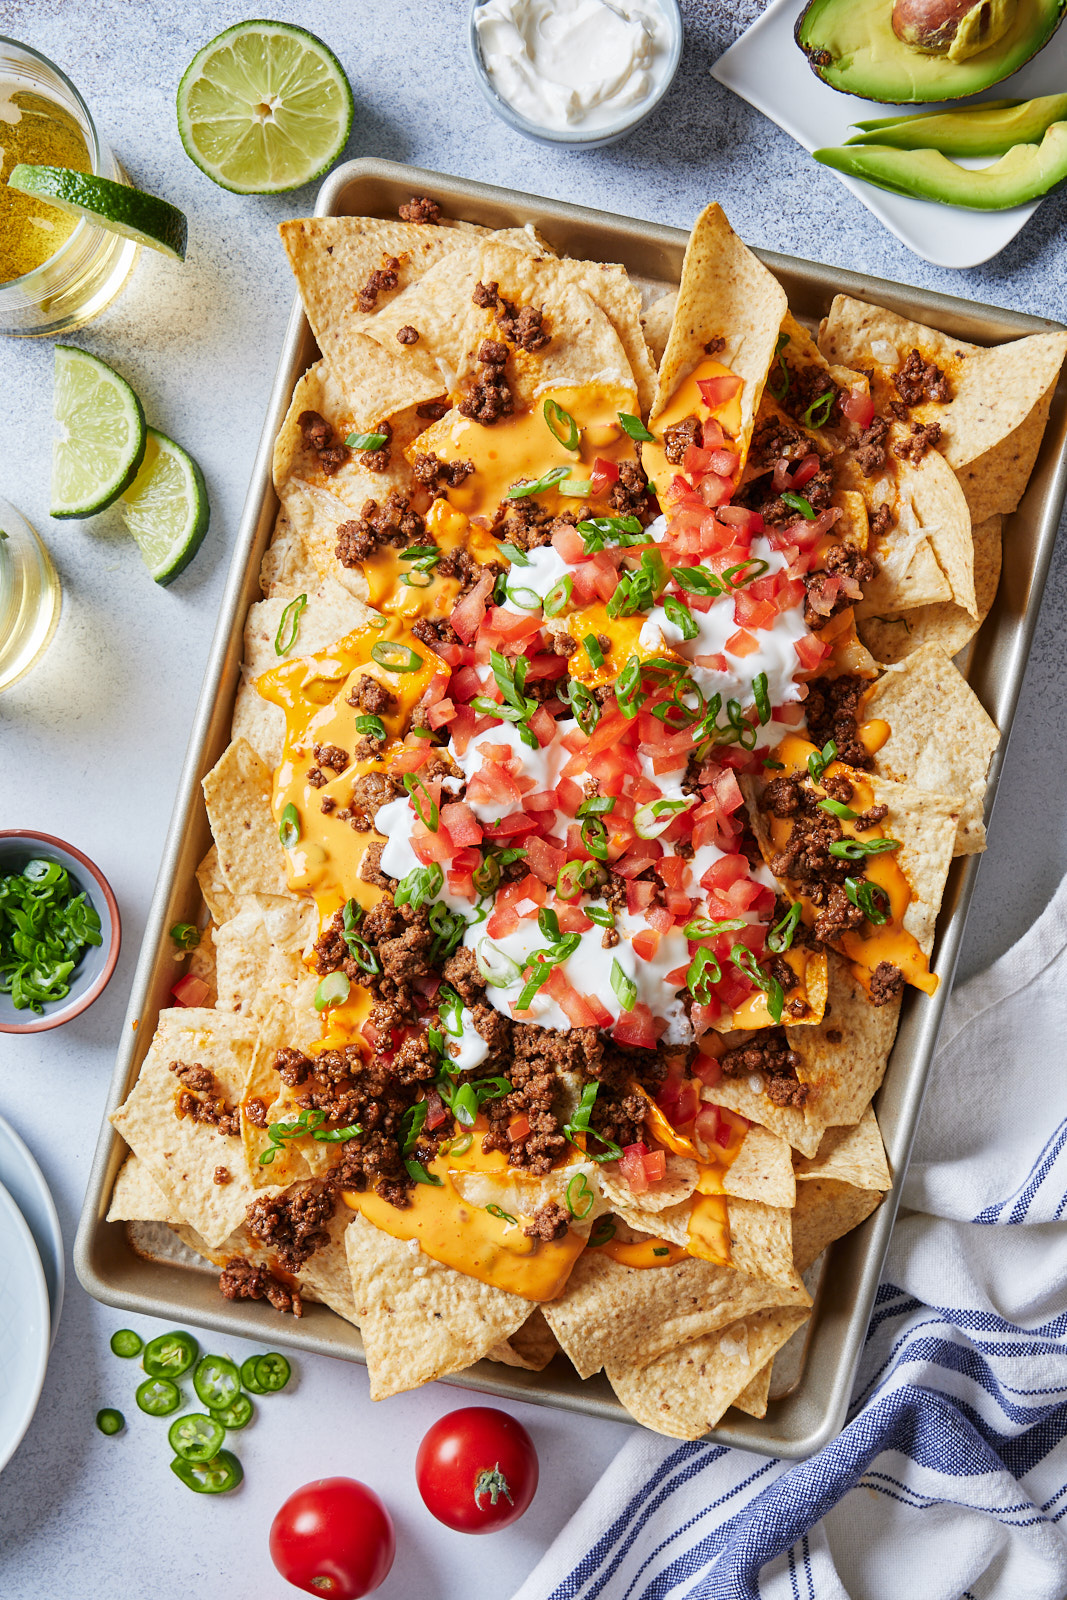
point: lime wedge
(165, 508)
(114, 206)
(104, 434)
(264, 107)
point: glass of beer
(30, 595)
(56, 271)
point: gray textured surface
(92, 741)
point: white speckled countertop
(91, 742)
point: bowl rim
(81, 1002)
(577, 140)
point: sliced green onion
(465, 1105)
(584, 704)
(704, 970)
(654, 818)
(371, 727)
(593, 650)
(395, 657)
(696, 580)
(525, 599)
(420, 795)
(505, 1216)
(761, 697)
(332, 991)
(517, 557)
(289, 625)
(366, 441)
(661, 1249)
(603, 1230)
(743, 958)
(595, 838)
(289, 827)
(733, 575)
(559, 596)
(600, 915)
(797, 502)
(818, 413)
(547, 480)
(186, 935)
(871, 899)
(836, 809)
(418, 1172)
(781, 935)
(577, 488)
(625, 988)
(498, 969)
(819, 760)
(634, 427)
(337, 1135)
(411, 1125)
(856, 849)
(542, 971)
(681, 616)
(703, 928)
(596, 805)
(775, 766)
(598, 531)
(575, 877)
(628, 694)
(580, 1197)
(561, 425)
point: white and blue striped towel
(949, 1481)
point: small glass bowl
(592, 138)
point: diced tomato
(706, 1127)
(572, 919)
(638, 856)
(583, 587)
(705, 1017)
(570, 1001)
(463, 826)
(461, 884)
(492, 784)
(604, 474)
(546, 666)
(569, 544)
(715, 490)
(411, 757)
(467, 859)
(541, 800)
(440, 714)
(636, 1027)
(678, 1099)
(190, 991)
(646, 940)
(608, 732)
(543, 726)
(544, 861)
(465, 684)
(467, 617)
(518, 1128)
(570, 796)
(513, 627)
(461, 729)
(431, 847)
(741, 644)
(858, 406)
(632, 1167)
(811, 651)
(708, 1070)
(435, 1110)
(740, 517)
(514, 826)
(599, 1010)
(791, 715)
(718, 392)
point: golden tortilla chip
(893, 636)
(421, 1321)
(183, 1155)
(787, 1122)
(287, 567)
(676, 1186)
(754, 1396)
(237, 794)
(725, 293)
(137, 1196)
(761, 1242)
(220, 901)
(762, 1170)
(613, 1316)
(324, 1276)
(845, 1057)
(532, 1346)
(996, 481)
(656, 324)
(686, 1391)
(941, 739)
(850, 1155)
(826, 1210)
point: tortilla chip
(324, 1276)
(532, 1346)
(677, 1184)
(137, 1196)
(685, 1392)
(845, 1057)
(220, 901)
(941, 739)
(181, 1154)
(761, 1242)
(237, 794)
(656, 324)
(754, 1396)
(787, 1122)
(893, 637)
(826, 1210)
(850, 1155)
(287, 567)
(996, 481)
(242, 948)
(420, 1320)
(725, 293)
(762, 1170)
(614, 1316)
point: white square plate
(766, 68)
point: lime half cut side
(144, 218)
(166, 507)
(103, 434)
(264, 107)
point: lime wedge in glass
(115, 206)
(166, 508)
(264, 107)
(104, 433)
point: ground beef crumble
(489, 398)
(293, 1224)
(768, 1053)
(242, 1280)
(202, 1098)
(523, 325)
(887, 982)
(392, 522)
(420, 210)
(381, 281)
(831, 713)
(920, 380)
(842, 561)
(438, 475)
(924, 436)
(676, 440)
(550, 1222)
(870, 448)
(319, 437)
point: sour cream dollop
(575, 64)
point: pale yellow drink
(37, 130)
(30, 596)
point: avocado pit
(957, 29)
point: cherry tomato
(477, 1469)
(333, 1537)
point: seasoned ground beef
(202, 1098)
(241, 1280)
(381, 281)
(370, 868)
(407, 334)
(420, 210)
(401, 939)
(293, 1224)
(768, 1053)
(923, 437)
(319, 437)
(759, 495)
(255, 1112)
(377, 460)
(539, 1054)
(807, 386)
(676, 440)
(433, 632)
(392, 522)
(222, 1176)
(550, 1222)
(437, 474)
(869, 450)
(842, 561)
(920, 380)
(837, 916)
(523, 325)
(774, 440)
(369, 793)
(461, 971)
(887, 982)
(371, 696)
(293, 1066)
(628, 495)
(489, 398)
(831, 713)
(331, 755)
(526, 524)
(881, 522)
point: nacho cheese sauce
(577, 820)
(583, 65)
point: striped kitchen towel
(949, 1481)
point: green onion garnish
(797, 502)
(625, 988)
(593, 651)
(505, 1216)
(420, 797)
(547, 480)
(836, 809)
(561, 425)
(366, 441)
(558, 596)
(856, 849)
(332, 991)
(871, 899)
(579, 1196)
(704, 970)
(372, 727)
(818, 413)
(762, 699)
(289, 827)
(185, 935)
(743, 958)
(819, 760)
(289, 625)
(781, 935)
(681, 616)
(634, 426)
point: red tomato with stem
(333, 1537)
(477, 1469)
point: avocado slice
(850, 45)
(989, 129)
(1027, 172)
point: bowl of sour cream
(576, 72)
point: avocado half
(850, 45)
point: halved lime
(166, 507)
(104, 435)
(115, 206)
(264, 107)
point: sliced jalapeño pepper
(209, 1477)
(169, 1355)
(110, 1421)
(272, 1372)
(126, 1343)
(248, 1376)
(158, 1397)
(237, 1415)
(217, 1381)
(196, 1437)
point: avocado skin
(876, 65)
(990, 129)
(1027, 172)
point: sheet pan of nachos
(585, 801)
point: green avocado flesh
(989, 129)
(1026, 173)
(850, 45)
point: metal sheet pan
(817, 1376)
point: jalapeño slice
(196, 1437)
(171, 1354)
(272, 1372)
(248, 1376)
(209, 1477)
(126, 1343)
(217, 1382)
(237, 1415)
(158, 1397)
(110, 1421)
